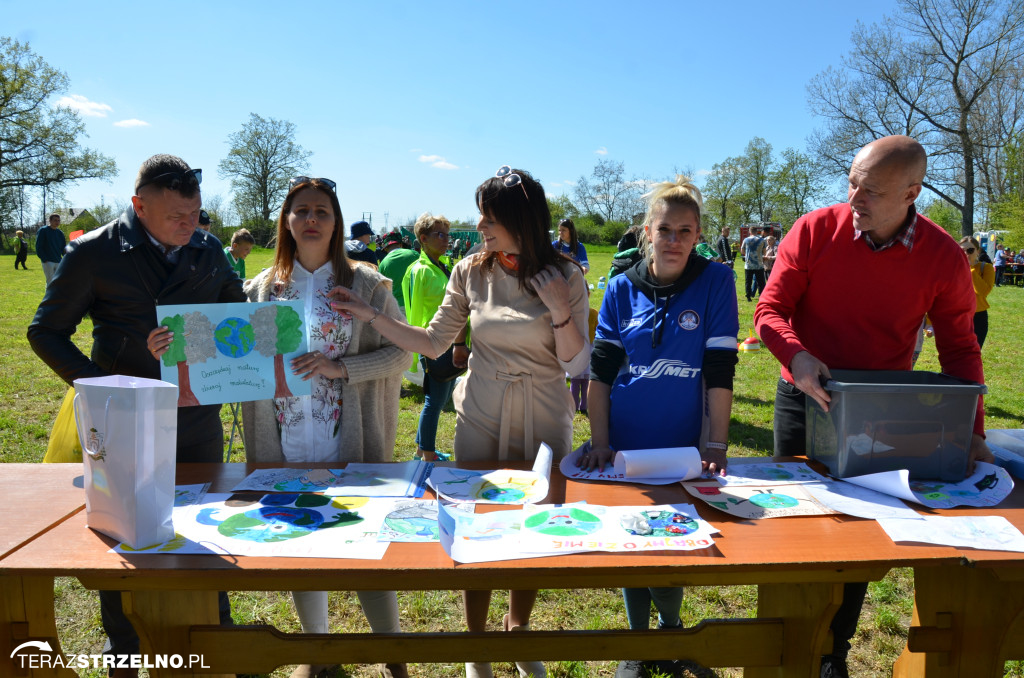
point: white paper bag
(129, 430)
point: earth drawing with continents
(234, 337)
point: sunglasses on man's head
(176, 180)
(295, 181)
(510, 179)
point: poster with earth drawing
(229, 353)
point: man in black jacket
(117, 275)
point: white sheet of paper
(481, 538)
(861, 502)
(501, 486)
(990, 533)
(647, 467)
(987, 486)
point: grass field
(31, 396)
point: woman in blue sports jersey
(666, 337)
(569, 244)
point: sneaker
(691, 669)
(631, 668)
(834, 667)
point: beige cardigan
(370, 395)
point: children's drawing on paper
(574, 528)
(232, 352)
(767, 473)
(292, 525)
(566, 521)
(185, 495)
(502, 486)
(279, 517)
(659, 523)
(992, 533)
(415, 521)
(987, 486)
(757, 502)
(407, 479)
(289, 480)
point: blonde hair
(682, 192)
(426, 222)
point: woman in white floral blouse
(352, 414)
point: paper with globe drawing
(229, 353)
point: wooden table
(799, 565)
(34, 499)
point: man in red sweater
(849, 289)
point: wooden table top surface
(34, 498)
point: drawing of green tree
(192, 343)
(278, 331)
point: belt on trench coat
(511, 380)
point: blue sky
(409, 106)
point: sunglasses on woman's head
(176, 180)
(295, 181)
(510, 179)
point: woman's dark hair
(526, 217)
(284, 258)
(574, 240)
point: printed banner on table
(577, 528)
(229, 353)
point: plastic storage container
(885, 421)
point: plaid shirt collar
(905, 235)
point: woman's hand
(553, 289)
(158, 341)
(309, 365)
(349, 304)
(595, 457)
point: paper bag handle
(80, 425)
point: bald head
(885, 180)
(896, 152)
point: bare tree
(929, 72)
(262, 158)
(608, 193)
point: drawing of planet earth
(414, 521)
(664, 524)
(774, 501)
(499, 493)
(234, 337)
(564, 522)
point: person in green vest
(423, 287)
(395, 263)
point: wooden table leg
(163, 620)
(27, 615)
(967, 622)
(806, 611)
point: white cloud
(437, 161)
(131, 122)
(703, 172)
(602, 151)
(567, 182)
(84, 106)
